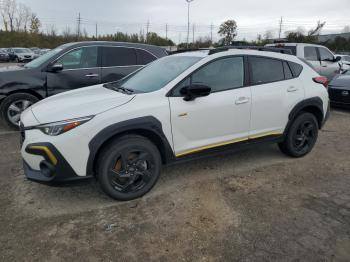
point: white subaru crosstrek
(178, 107)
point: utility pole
(188, 20)
(166, 31)
(280, 30)
(211, 33)
(147, 31)
(78, 29)
(193, 29)
(96, 32)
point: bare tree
(268, 34)
(51, 30)
(3, 14)
(316, 31)
(8, 10)
(67, 32)
(10, 7)
(19, 17)
(27, 14)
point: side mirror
(190, 93)
(56, 68)
(337, 58)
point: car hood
(341, 81)
(78, 103)
(11, 69)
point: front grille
(339, 95)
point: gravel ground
(255, 205)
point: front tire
(301, 136)
(12, 107)
(128, 167)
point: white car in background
(345, 62)
(176, 108)
(21, 54)
(322, 60)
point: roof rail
(258, 48)
(187, 50)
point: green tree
(228, 30)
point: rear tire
(128, 167)
(12, 107)
(301, 136)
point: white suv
(178, 107)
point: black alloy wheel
(301, 136)
(128, 167)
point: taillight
(321, 80)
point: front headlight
(57, 128)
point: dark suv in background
(68, 67)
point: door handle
(242, 100)
(292, 89)
(92, 75)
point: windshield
(42, 59)
(156, 75)
(22, 50)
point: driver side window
(326, 55)
(220, 75)
(85, 57)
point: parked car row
(20, 54)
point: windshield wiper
(118, 88)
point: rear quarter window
(144, 57)
(118, 56)
(296, 68)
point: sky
(253, 17)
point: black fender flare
(148, 126)
(314, 102)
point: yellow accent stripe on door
(233, 141)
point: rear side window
(296, 68)
(310, 53)
(287, 72)
(144, 57)
(118, 56)
(265, 70)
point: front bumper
(53, 167)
